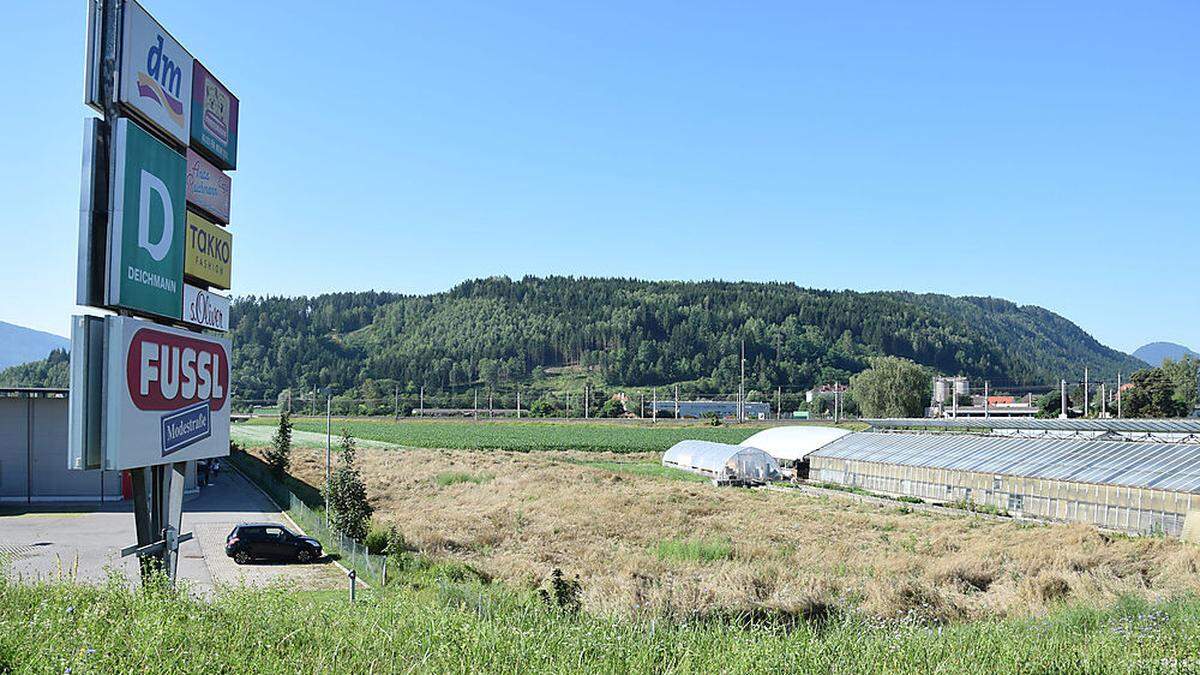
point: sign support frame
(157, 490)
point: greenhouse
(1137, 487)
(791, 445)
(724, 464)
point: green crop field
(444, 620)
(525, 436)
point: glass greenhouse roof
(1162, 466)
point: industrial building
(699, 409)
(724, 464)
(1137, 476)
(33, 453)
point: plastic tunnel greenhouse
(721, 462)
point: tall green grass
(697, 550)
(455, 477)
(467, 625)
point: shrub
(377, 540)
(564, 594)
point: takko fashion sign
(156, 74)
(209, 252)
(205, 309)
(167, 394)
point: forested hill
(634, 332)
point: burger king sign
(166, 395)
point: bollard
(353, 583)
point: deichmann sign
(208, 187)
(146, 230)
(214, 118)
(205, 308)
(209, 256)
(156, 74)
(166, 394)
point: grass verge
(452, 622)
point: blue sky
(1048, 153)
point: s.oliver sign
(205, 309)
(166, 394)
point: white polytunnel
(793, 443)
(722, 462)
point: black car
(269, 541)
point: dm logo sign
(146, 236)
(156, 74)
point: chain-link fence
(372, 568)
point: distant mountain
(1155, 352)
(643, 333)
(21, 345)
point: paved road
(86, 544)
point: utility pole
(1063, 387)
(742, 387)
(1118, 395)
(396, 401)
(1103, 399)
(475, 408)
(328, 446)
(491, 411)
(642, 405)
(677, 401)
(1086, 409)
(987, 405)
(654, 406)
(587, 400)
(518, 403)
(837, 402)
(778, 403)
(954, 400)
(422, 413)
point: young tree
(279, 455)
(891, 387)
(349, 510)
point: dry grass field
(655, 546)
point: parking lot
(45, 541)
